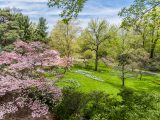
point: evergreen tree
(9, 30)
(24, 24)
(41, 32)
(15, 26)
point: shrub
(71, 104)
(101, 106)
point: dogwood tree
(21, 75)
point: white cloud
(112, 20)
(31, 1)
(38, 8)
(100, 11)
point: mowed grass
(111, 81)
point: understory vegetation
(100, 106)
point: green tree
(17, 26)
(9, 30)
(143, 18)
(133, 15)
(124, 54)
(41, 31)
(71, 8)
(94, 36)
(24, 25)
(154, 28)
(148, 29)
(63, 38)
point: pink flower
(8, 58)
(38, 109)
(23, 69)
(25, 47)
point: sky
(93, 9)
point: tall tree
(24, 25)
(9, 30)
(94, 36)
(15, 25)
(124, 54)
(154, 29)
(63, 38)
(41, 31)
(143, 17)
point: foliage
(24, 26)
(143, 17)
(41, 33)
(86, 56)
(71, 8)
(100, 106)
(137, 11)
(93, 38)
(19, 26)
(63, 38)
(70, 105)
(9, 30)
(26, 65)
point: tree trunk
(153, 49)
(123, 75)
(96, 61)
(132, 68)
(85, 62)
(141, 75)
(67, 40)
(152, 53)
(144, 39)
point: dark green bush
(71, 104)
(139, 106)
(100, 106)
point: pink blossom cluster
(22, 70)
(7, 108)
(8, 58)
(28, 56)
(50, 58)
(38, 109)
(65, 62)
(11, 85)
(37, 45)
(23, 46)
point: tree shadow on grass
(113, 84)
(149, 87)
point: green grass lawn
(108, 80)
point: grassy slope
(112, 81)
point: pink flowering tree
(22, 84)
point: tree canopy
(71, 8)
